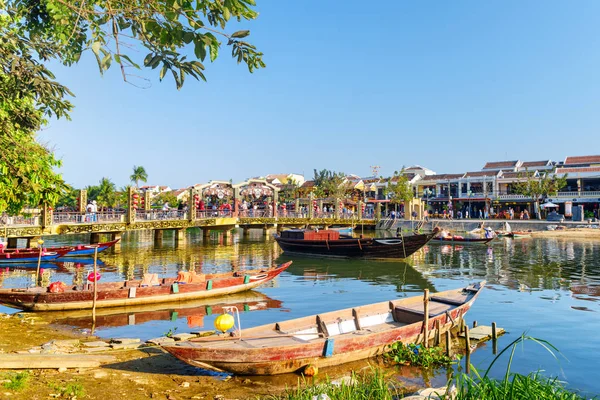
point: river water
(544, 288)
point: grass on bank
(374, 385)
(16, 381)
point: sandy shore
(575, 233)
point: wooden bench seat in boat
(416, 313)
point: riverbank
(137, 374)
(141, 373)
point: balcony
(593, 193)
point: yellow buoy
(224, 322)
(310, 370)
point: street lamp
(427, 192)
(469, 193)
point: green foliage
(398, 188)
(166, 31)
(373, 385)
(513, 385)
(170, 332)
(166, 197)
(107, 195)
(330, 183)
(587, 214)
(16, 381)
(68, 198)
(71, 390)
(541, 186)
(35, 32)
(414, 354)
(139, 174)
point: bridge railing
(19, 220)
(256, 214)
(204, 214)
(86, 218)
(158, 215)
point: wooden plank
(482, 333)
(41, 361)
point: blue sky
(350, 84)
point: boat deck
(365, 320)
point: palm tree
(106, 193)
(139, 174)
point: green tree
(167, 197)
(330, 183)
(399, 189)
(121, 196)
(139, 174)
(68, 198)
(539, 186)
(168, 36)
(107, 196)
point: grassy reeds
(376, 386)
(372, 385)
(16, 381)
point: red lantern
(93, 278)
(135, 200)
(197, 201)
(362, 207)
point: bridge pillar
(205, 233)
(311, 208)
(94, 238)
(158, 236)
(12, 243)
(245, 232)
(226, 234)
(179, 236)
(267, 232)
(115, 236)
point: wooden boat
(327, 339)
(345, 230)
(130, 293)
(461, 239)
(506, 232)
(521, 234)
(30, 256)
(73, 251)
(329, 243)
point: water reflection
(192, 313)
(547, 287)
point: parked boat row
(50, 253)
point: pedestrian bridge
(115, 223)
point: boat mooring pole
(37, 272)
(95, 288)
(467, 350)
(426, 317)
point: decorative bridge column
(130, 205)
(311, 208)
(191, 205)
(82, 204)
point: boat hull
(39, 299)
(253, 358)
(464, 240)
(30, 256)
(399, 247)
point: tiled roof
(582, 160)
(574, 170)
(481, 173)
(308, 184)
(528, 164)
(442, 177)
(500, 164)
(511, 175)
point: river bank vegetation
(376, 385)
